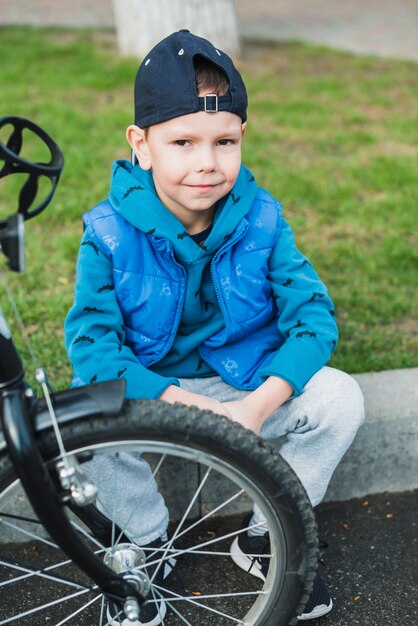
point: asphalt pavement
(368, 558)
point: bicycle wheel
(209, 471)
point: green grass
(332, 135)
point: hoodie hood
(133, 196)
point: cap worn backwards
(165, 85)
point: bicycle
(48, 443)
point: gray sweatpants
(319, 426)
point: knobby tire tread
(210, 432)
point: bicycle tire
(235, 453)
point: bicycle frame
(21, 415)
(17, 411)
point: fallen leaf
(32, 328)
(196, 593)
(357, 598)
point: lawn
(332, 135)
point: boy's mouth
(202, 188)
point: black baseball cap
(165, 84)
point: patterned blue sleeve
(95, 332)
(306, 316)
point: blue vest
(150, 286)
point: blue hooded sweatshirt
(151, 305)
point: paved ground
(369, 558)
(382, 27)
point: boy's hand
(253, 410)
(250, 412)
(177, 394)
(242, 412)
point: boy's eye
(226, 142)
(181, 142)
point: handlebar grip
(15, 163)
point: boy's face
(195, 161)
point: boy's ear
(138, 142)
(243, 129)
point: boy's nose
(206, 161)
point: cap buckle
(211, 103)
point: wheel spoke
(32, 573)
(29, 534)
(173, 608)
(101, 611)
(176, 532)
(179, 552)
(117, 456)
(134, 509)
(40, 573)
(153, 590)
(175, 553)
(209, 514)
(82, 608)
(213, 596)
(178, 597)
(21, 518)
(44, 606)
(88, 535)
(36, 572)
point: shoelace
(263, 547)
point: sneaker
(319, 603)
(151, 613)
(252, 555)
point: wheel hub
(129, 560)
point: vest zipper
(180, 310)
(221, 250)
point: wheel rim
(252, 598)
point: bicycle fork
(126, 588)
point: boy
(190, 287)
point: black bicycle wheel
(209, 471)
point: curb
(383, 456)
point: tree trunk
(140, 24)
